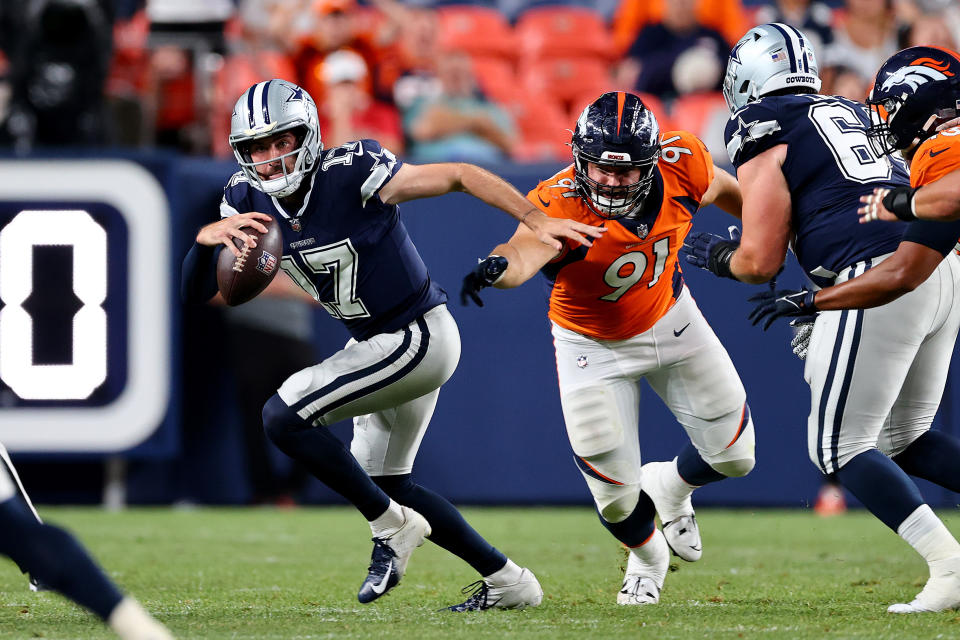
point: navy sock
(637, 527)
(450, 530)
(934, 456)
(881, 486)
(324, 456)
(55, 558)
(694, 470)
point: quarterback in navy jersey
(880, 346)
(345, 245)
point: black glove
(771, 305)
(712, 252)
(483, 275)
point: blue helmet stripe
(786, 38)
(263, 101)
(250, 92)
(800, 52)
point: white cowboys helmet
(770, 57)
(268, 108)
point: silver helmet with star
(266, 109)
(770, 57)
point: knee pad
(592, 419)
(616, 506)
(736, 459)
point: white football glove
(801, 337)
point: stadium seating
(480, 31)
(565, 32)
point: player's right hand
(873, 208)
(225, 230)
(552, 231)
(771, 305)
(487, 272)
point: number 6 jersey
(630, 277)
(344, 246)
(829, 165)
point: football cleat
(676, 514)
(644, 576)
(526, 592)
(390, 556)
(941, 592)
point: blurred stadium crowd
(484, 81)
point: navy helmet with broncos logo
(915, 91)
(616, 130)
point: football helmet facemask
(616, 130)
(915, 91)
(770, 57)
(268, 108)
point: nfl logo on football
(266, 263)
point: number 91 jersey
(630, 277)
(344, 246)
(829, 165)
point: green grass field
(265, 573)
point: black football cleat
(390, 556)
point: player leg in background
(18, 486)
(58, 560)
(860, 366)
(386, 444)
(699, 384)
(600, 409)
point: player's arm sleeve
(939, 236)
(751, 131)
(198, 275)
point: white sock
(509, 574)
(926, 533)
(388, 522)
(131, 622)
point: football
(241, 278)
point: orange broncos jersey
(630, 277)
(936, 156)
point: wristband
(899, 202)
(492, 269)
(721, 262)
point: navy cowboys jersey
(829, 165)
(344, 246)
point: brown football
(241, 279)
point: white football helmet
(770, 57)
(268, 108)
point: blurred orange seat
(480, 31)
(563, 31)
(565, 79)
(543, 126)
(496, 78)
(696, 112)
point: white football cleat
(390, 556)
(525, 592)
(941, 592)
(676, 512)
(644, 577)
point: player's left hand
(552, 231)
(873, 208)
(487, 272)
(712, 252)
(771, 305)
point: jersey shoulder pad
(936, 157)
(235, 194)
(751, 131)
(684, 159)
(553, 194)
(362, 164)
